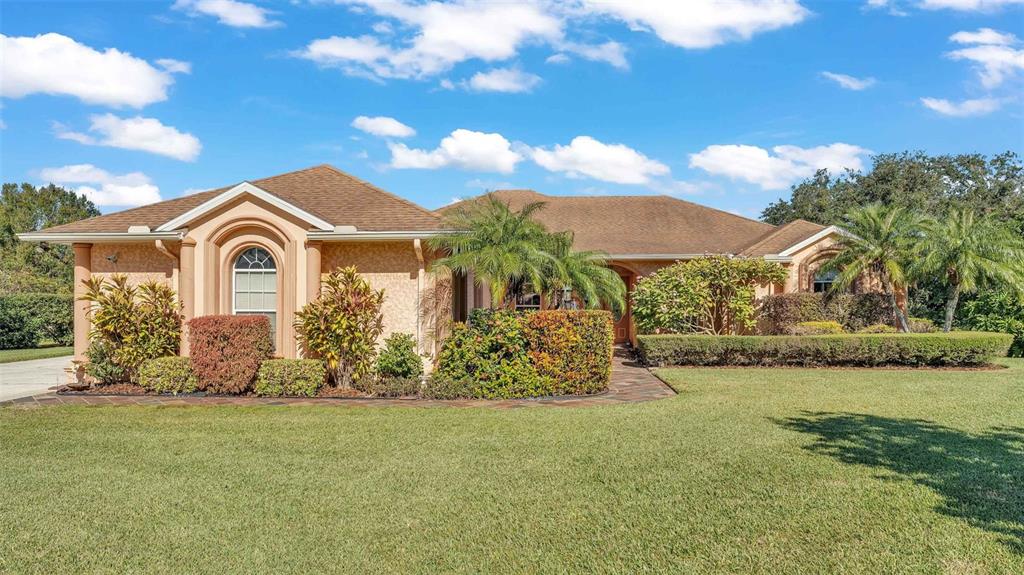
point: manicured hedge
(914, 349)
(573, 348)
(227, 350)
(168, 375)
(27, 318)
(505, 354)
(277, 377)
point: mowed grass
(745, 471)
(11, 355)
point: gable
(245, 188)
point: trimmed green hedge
(168, 375)
(868, 350)
(277, 377)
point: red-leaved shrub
(573, 348)
(226, 350)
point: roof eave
(105, 237)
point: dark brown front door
(622, 319)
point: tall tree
(964, 251)
(586, 273)
(881, 243)
(26, 208)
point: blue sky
(726, 103)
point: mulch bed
(135, 390)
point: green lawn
(746, 470)
(9, 355)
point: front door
(622, 318)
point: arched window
(823, 281)
(255, 285)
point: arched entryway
(623, 326)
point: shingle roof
(324, 191)
(641, 225)
(782, 237)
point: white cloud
(984, 36)
(230, 12)
(558, 58)
(976, 107)
(610, 52)
(585, 156)
(510, 80)
(849, 82)
(383, 126)
(465, 149)
(174, 66)
(104, 188)
(777, 169)
(446, 34)
(992, 53)
(968, 5)
(701, 23)
(138, 133)
(55, 64)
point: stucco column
(83, 271)
(187, 287)
(313, 257)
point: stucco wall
(391, 266)
(140, 262)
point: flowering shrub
(227, 350)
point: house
(260, 247)
(642, 234)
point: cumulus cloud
(701, 23)
(465, 149)
(778, 168)
(230, 12)
(966, 108)
(137, 133)
(55, 64)
(993, 53)
(446, 34)
(849, 82)
(431, 37)
(509, 80)
(383, 126)
(585, 156)
(103, 188)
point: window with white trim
(823, 281)
(255, 285)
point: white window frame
(234, 284)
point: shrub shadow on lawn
(979, 476)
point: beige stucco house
(261, 247)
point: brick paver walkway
(630, 383)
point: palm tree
(880, 243)
(584, 272)
(966, 251)
(510, 250)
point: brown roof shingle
(782, 237)
(641, 225)
(324, 191)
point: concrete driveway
(25, 378)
